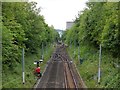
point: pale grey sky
(58, 12)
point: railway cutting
(60, 72)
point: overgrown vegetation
(87, 66)
(13, 78)
(23, 27)
(97, 24)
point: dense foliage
(23, 26)
(97, 24)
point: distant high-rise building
(69, 25)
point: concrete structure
(69, 25)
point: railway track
(70, 82)
(60, 72)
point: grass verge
(87, 66)
(13, 79)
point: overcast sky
(58, 12)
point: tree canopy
(97, 24)
(23, 26)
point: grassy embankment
(13, 79)
(89, 68)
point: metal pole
(46, 48)
(42, 51)
(0, 45)
(23, 73)
(70, 43)
(78, 52)
(99, 70)
(74, 48)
